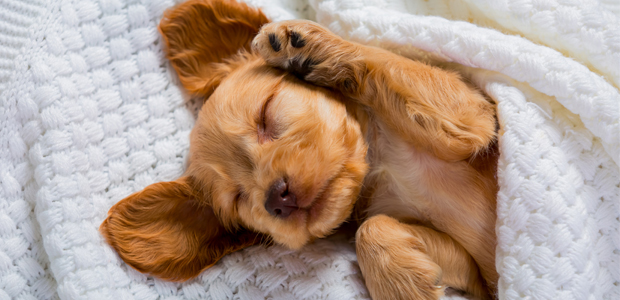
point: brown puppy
(274, 155)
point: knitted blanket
(92, 112)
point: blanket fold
(91, 112)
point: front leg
(430, 108)
(403, 261)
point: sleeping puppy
(299, 131)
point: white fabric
(90, 113)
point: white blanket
(91, 113)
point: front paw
(311, 53)
(285, 45)
(394, 262)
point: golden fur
(348, 128)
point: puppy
(299, 130)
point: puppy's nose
(281, 202)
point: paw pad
(273, 41)
(296, 40)
(300, 67)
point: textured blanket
(91, 112)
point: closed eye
(266, 130)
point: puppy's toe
(271, 42)
(286, 44)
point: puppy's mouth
(315, 216)
(318, 204)
(310, 211)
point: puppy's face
(269, 154)
(277, 155)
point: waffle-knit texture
(92, 112)
(24, 266)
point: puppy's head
(269, 154)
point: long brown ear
(166, 231)
(200, 33)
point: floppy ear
(201, 33)
(166, 230)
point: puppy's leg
(431, 108)
(402, 261)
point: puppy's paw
(394, 262)
(470, 131)
(310, 52)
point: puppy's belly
(414, 186)
(398, 191)
(393, 201)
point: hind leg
(403, 261)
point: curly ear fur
(168, 230)
(200, 35)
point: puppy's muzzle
(281, 202)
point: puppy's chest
(400, 180)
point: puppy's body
(404, 143)
(416, 188)
(424, 128)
